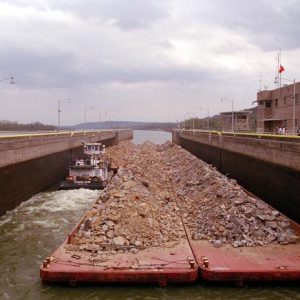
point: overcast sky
(141, 60)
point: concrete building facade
(278, 108)
(243, 121)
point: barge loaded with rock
(234, 235)
(168, 217)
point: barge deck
(158, 265)
(228, 264)
(273, 262)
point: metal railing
(264, 135)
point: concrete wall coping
(23, 147)
(56, 133)
(281, 152)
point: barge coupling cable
(184, 227)
(106, 267)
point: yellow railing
(57, 133)
(250, 134)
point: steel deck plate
(154, 266)
(268, 263)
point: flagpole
(278, 69)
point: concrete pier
(268, 166)
(29, 163)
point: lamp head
(12, 81)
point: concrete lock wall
(32, 163)
(268, 168)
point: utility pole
(294, 107)
(232, 116)
(59, 109)
(208, 127)
(85, 111)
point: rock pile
(118, 154)
(137, 210)
(217, 209)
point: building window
(284, 100)
(268, 103)
(296, 122)
(284, 123)
(297, 99)
(276, 102)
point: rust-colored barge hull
(171, 264)
(273, 262)
(150, 266)
(269, 263)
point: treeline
(123, 124)
(212, 123)
(15, 126)
(157, 126)
(216, 122)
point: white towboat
(91, 173)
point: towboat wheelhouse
(91, 172)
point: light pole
(193, 121)
(11, 79)
(59, 109)
(294, 107)
(84, 112)
(208, 116)
(186, 126)
(110, 125)
(294, 99)
(232, 113)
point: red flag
(281, 69)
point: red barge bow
(159, 265)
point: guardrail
(284, 137)
(58, 133)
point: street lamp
(193, 116)
(186, 120)
(191, 119)
(11, 79)
(294, 107)
(294, 100)
(207, 116)
(85, 111)
(232, 114)
(59, 110)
